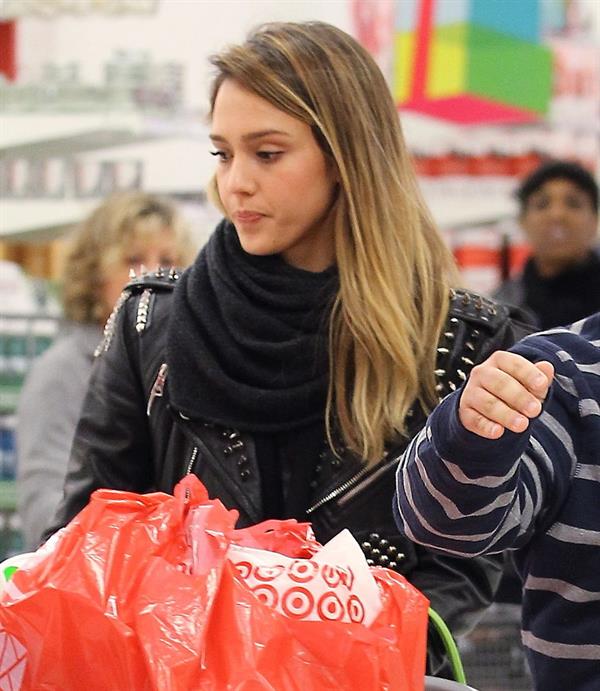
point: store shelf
(471, 210)
(178, 165)
(21, 129)
(171, 157)
(8, 495)
(21, 217)
(11, 540)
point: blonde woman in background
(126, 231)
(287, 366)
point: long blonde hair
(394, 269)
(102, 239)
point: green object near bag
(9, 571)
(450, 646)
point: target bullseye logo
(330, 607)
(331, 575)
(268, 573)
(346, 576)
(356, 609)
(267, 594)
(302, 570)
(302, 589)
(244, 568)
(297, 603)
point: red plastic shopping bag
(116, 578)
(267, 650)
(139, 593)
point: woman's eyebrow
(250, 136)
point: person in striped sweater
(512, 462)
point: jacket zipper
(337, 491)
(190, 465)
(158, 387)
(353, 482)
(201, 450)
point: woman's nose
(239, 177)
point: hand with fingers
(504, 392)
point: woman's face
(159, 249)
(561, 225)
(273, 179)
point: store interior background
(102, 95)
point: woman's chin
(258, 249)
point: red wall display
(8, 62)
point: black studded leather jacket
(129, 437)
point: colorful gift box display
(472, 61)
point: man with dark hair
(560, 283)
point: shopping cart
(435, 684)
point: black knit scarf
(248, 336)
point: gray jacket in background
(47, 414)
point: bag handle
(189, 492)
(449, 645)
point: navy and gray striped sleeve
(465, 495)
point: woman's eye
(222, 155)
(268, 155)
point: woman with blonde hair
(126, 231)
(288, 366)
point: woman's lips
(247, 216)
